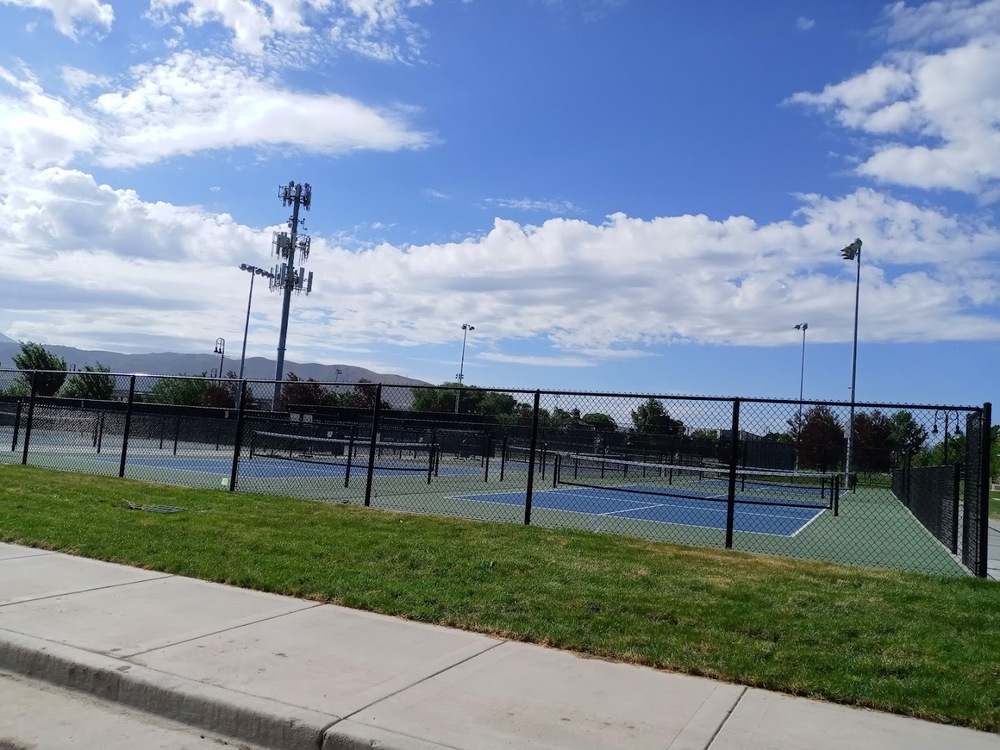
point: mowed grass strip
(912, 644)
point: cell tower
(286, 277)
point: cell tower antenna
(286, 277)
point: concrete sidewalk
(286, 673)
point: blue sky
(620, 195)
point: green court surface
(872, 529)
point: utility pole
(286, 277)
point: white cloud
(183, 105)
(557, 207)
(68, 14)
(933, 116)
(153, 273)
(78, 80)
(379, 29)
(37, 129)
(191, 103)
(805, 24)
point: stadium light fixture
(253, 271)
(466, 327)
(853, 252)
(220, 349)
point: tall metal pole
(461, 367)
(246, 326)
(853, 252)
(289, 285)
(802, 374)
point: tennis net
(752, 486)
(346, 452)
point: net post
(31, 415)
(376, 413)
(503, 456)
(835, 491)
(128, 425)
(556, 464)
(734, 455)
(531, 459)
(238, 442)
(350, 456)
(430, 461)
(486, 458)
(100, 431)
(17, 425)
(177, 433)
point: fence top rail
(545, 392)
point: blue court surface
(269, 468)
(709, 513)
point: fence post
(986, 441)
(734, 457)
(128, 425)
(376, 413)
(531, 459)
(31, 415)
(238, 442)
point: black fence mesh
(767, 476)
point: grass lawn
(914, 644)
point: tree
(363, 396)
(873, 442)
(651, 418)
(298, 392)
(600, 422)
(36, 357)
(438, 400)
(907, 433)
(819, 437)
(180, 391)
(93, 383)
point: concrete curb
(353, 735)
(238, 715)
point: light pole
(220, 349)
(461, 367)
(934, 430)
(853, 252)
(802, 373)
(253, 271)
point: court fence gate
(767, 476)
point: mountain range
(171, 363)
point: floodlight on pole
(853, 252)
(934, 430)
(466, 327)
(253, 271)
(220, 349)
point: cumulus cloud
(931, 113)
(594, 292)
(70, 15)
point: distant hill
(256, 368)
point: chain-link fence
(874, 485)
